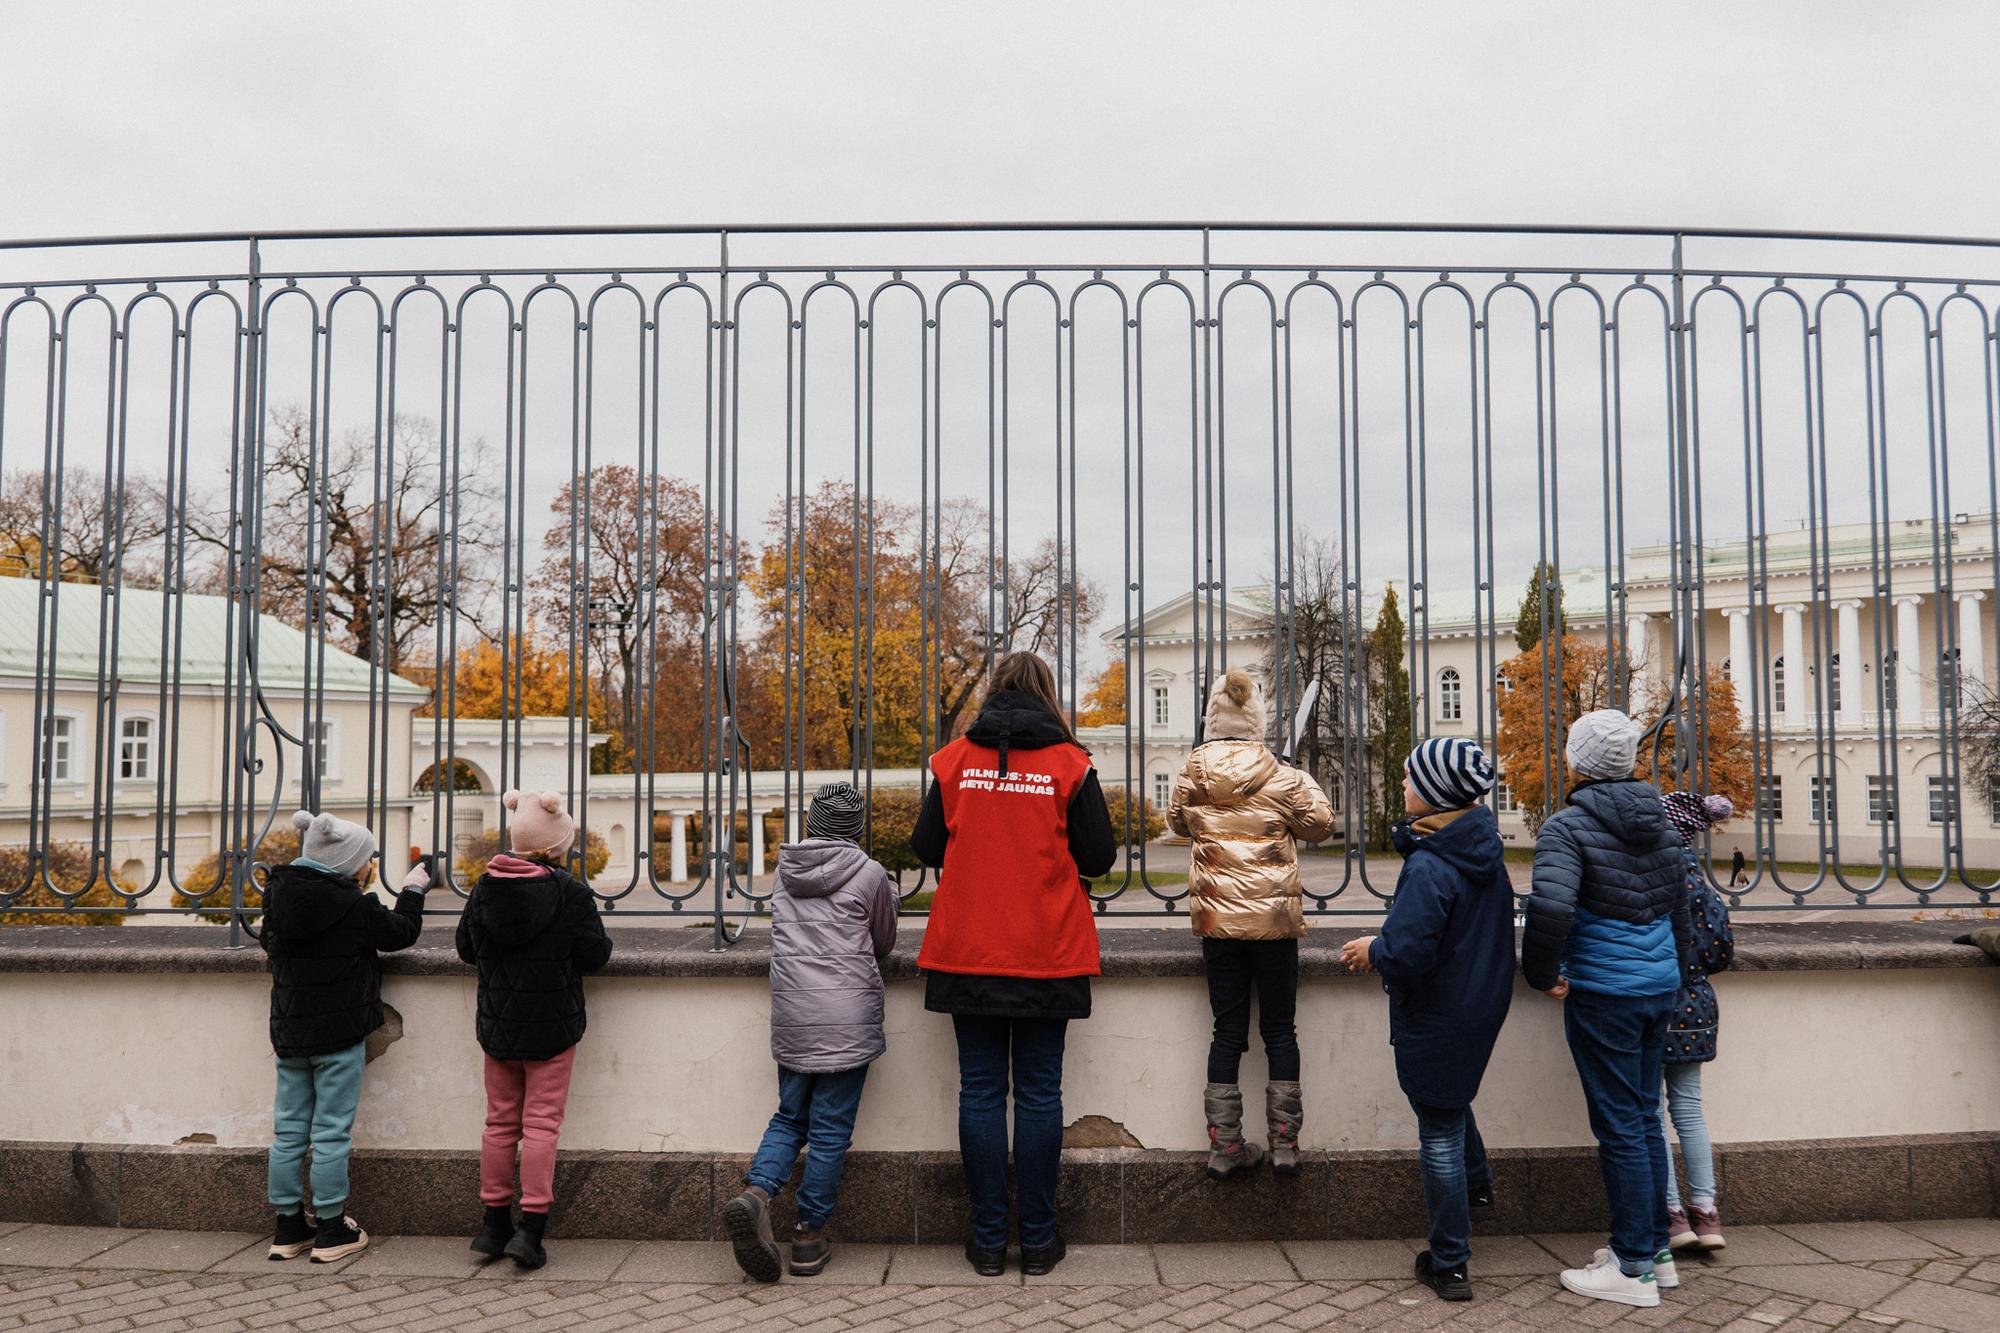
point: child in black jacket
(534, 932)
(323, 935)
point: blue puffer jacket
(1446, 955)
(1609, 910)
(1697, 1016)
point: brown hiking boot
(746, 1220)
(810, 1250)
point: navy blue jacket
(1692, 1031)
(1446, 955)
(1609, 909)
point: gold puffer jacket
(1244, 812)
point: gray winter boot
(1284, 1109)
(1228, 1152)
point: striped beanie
(836, 812)
(1449, 772)
(1691, 814)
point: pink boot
(1707, 1226)
(1679, 1234)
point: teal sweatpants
(317, 1098)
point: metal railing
(322, 517)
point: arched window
(1777, 684)
(1450, 707)
(1502, 683)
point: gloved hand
(419, 877)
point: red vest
(1009, 902)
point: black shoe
(986, 1263)
(1038, 1262)
(495, 1231)
(1451, 1284)
(526, 1247)
(292, 1237)
(746, 1220)
(337, 1238)
(1479, 1198)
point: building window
(1942, 802)
(1771, 797)
(58, 748)
(324, 736)
(1833, 683)
(1503, 799)
(1889, 680)
(1336, 793)
(1449, 707)
(1726, 673)
(1502, 683)
(1993, 801)
(1163, 790)
(1778, 685)
(135, 749)
(1822, 793)
(1881, 798)
(1160, 704)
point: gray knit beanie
(1603, 745)
(341, 847)
(836, 811)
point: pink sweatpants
(525, 1100)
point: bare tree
(100, 527)
(1315, 647)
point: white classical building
(1824, 670)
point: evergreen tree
(1528, 625)
(1388, 717)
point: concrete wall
(681, 1063)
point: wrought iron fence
(676, 519)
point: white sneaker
(1606, 1281)
(1665, 1276)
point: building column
(677, 857)
(1741, 672)
(1853, 673)
(1798, 680)
(791, 822)
(1638, 656)
(1971, 648)
(756, 841)
(1909, 663)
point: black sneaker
(986, 1263)
(526, 1247)
(1039, 1262)
(746, 1220)
(1450, 1284)
(1479, 1198)
(495, 1231)
(337, 1238)
(292, 1237)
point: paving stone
(945, 1266)
(421, 1256)
(41, 1246)
(1757, 1247)
(177, 1251)
(1102, 1266)
(1231, 1262)
(1979, 1236)
(1352, 1260)
(1859, 1242)
(1843, 1285)
(1943, 1307)
(569, 1261)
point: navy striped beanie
(1449, 772)
(836, 812)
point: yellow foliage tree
(68, 866)
(1529, 722)
(1729, 768)
(1104, 703)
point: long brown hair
(1025, 673)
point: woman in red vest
(1014, 820)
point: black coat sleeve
(1092, 844)
(927, 840)
(390, 929)
(468, 949)
(1551, 906)
(592, 948)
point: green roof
(281, 649)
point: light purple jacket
(833, 917)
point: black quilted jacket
(1610, 853)
(323, 936)
(533, 941)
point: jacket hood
(1470, 843)
(1626, 808)
(514, 911)
(819, 867)
(300, 902)
(1012, 720)
(1226, 771)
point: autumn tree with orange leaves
(1532, 726)
(1104, 704)
(1725, 767)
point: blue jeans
(317, 1098)
(815, 1112)
(1691, 1127)
(1452, 1157)
(1036, 1048)
(1619, 1043)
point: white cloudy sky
(117, 118)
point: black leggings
(1233, 967)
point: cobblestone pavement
(1871, 1276)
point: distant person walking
(1736, 875)
(1607, 931)
(1013, 820)
(1244, 813)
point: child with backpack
(833, 921)
(533, 931)
(1446, 957)
(324, 936)
(1692, 1031)
(1243, 813)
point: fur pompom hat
(343, 847)
(1235, 709)
(537, 825)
